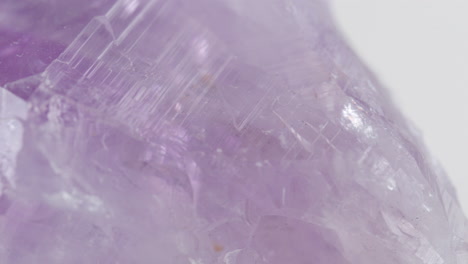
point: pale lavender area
(207, 131)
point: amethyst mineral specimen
(206, 132)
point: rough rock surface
(206, 131)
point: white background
(419, 49)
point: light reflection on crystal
(131, 6)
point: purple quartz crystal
(206, 132)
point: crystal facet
(207, 131)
